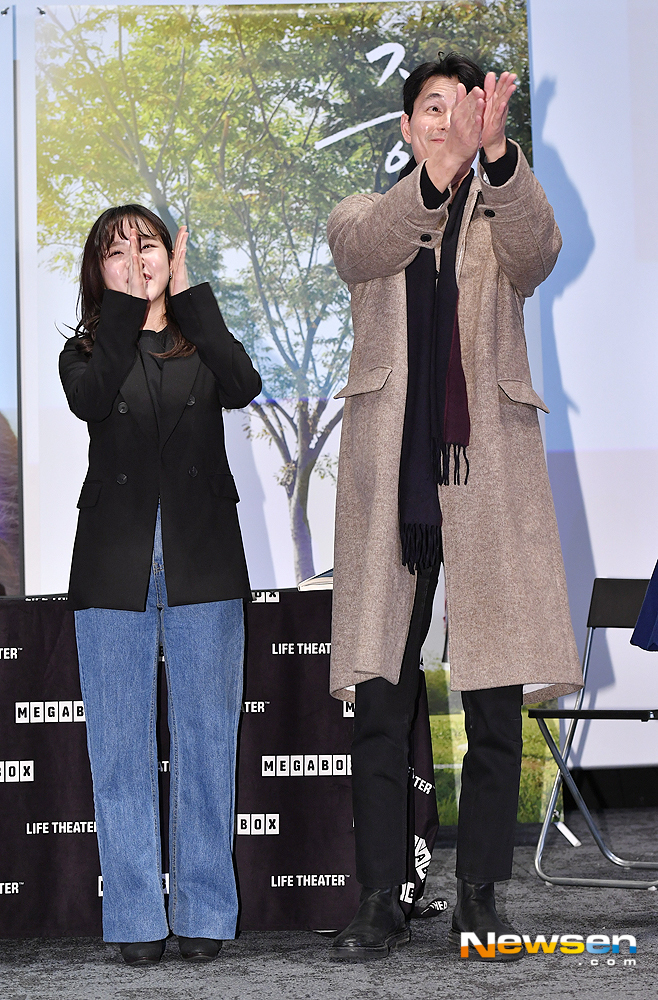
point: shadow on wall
(569, 503)
(9, 519)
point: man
(441, 459)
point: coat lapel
(136, 394)
(177, 380)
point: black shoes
(476, 911)
(142, 953)
(198, 949)
(377, 929)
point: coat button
(489, 212)
(122, 478)
(192, 472)
(426, 238)
(122, 407)
(191, 401)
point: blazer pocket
(223, 485)
(89, 494)
(522, 392)
(368, 381)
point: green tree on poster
(211, 115)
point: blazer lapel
(178, 377)
(135, 391)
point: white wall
(595, 131)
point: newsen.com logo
(568, 944)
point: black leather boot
(476, 911)
(378, 928)
(142, 952)
(198, 949)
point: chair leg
(551, 813)
(565, 775)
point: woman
(158, 561)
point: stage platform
(295, 964)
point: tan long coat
(508, 613)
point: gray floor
(297, 965)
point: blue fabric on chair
(646, 628)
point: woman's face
(154, 261)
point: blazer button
(426, 238)
(122, 407)
(122, 478)
(192, 472)
(489, 212)
(191, 401)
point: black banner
(49, 868)
(294, 843)
(293, 772)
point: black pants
(383, 719)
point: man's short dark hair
(452, 65)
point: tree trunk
(299, 526)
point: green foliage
(437, 690)
(210, 115)
(446, 800)
(448, 738)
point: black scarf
(436, 420)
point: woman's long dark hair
(112, 223)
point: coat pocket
(223, 485)
(367, 381)
(90, 492)
(522, 392)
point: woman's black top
(136, 458)
(151, 344)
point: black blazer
(130, 466)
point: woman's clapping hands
(179, 280)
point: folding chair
(615, 604)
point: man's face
(429, 124)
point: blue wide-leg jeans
(118, 654)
